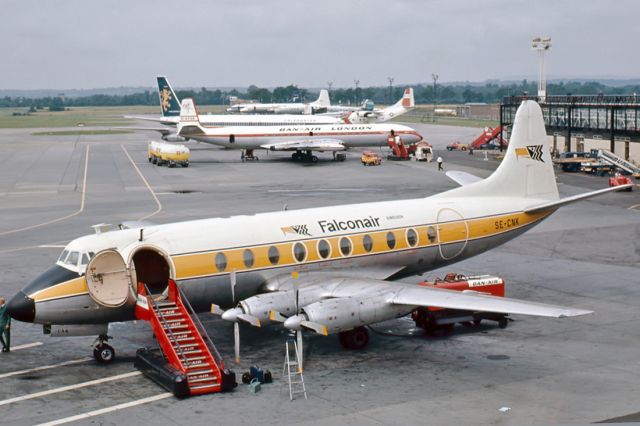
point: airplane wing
(462, 178)
(307, 145)
(173, 120)
(475, 301)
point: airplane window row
(345, 245)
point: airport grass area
(82, 132)
(82, 116)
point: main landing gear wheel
(357, 339)
(103, 352)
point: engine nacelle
(283, 302)
(346, 313)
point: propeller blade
(216, 310)
(300, 350)
(276, 316)
(236, 341)
(314, 326)
(250, 319)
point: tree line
(424, 94)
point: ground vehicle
(572, 161)
(620, 179)
(457, 146)
(423, 152)
(168, 153)
(436, 320)
(370, 158)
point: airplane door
(109, 279)
(453, 233)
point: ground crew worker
(5, 326)
(439, 161)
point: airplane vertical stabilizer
(169, 103)
(526, 170)
(189, 119)
(323, 100)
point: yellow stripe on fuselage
(69, 288)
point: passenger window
(73, 258)
(247, 257)
(431, 234)
(412, 237)
(345, 246)
(391, 240)
(324, 249)
(274, 255)
(221, 262)
(299, 252)
(367, 243)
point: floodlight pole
(356, 82)
(390, 80)
(541, 45)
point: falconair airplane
(328, 270)
(301, 139)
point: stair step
(166, 305)
(175, 327)
(199, 365)
(213, 385)
(204, 379)
(198, 372)
(194, 351)
(182, 339)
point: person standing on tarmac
(5, 326)
(439, 161)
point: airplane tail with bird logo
(169, 103)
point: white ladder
(293, 370)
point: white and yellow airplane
(377, 115)
(346, 257)
(319, 105)
(303, 140)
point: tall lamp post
(435, 97)
(541, 45)
(356, 82)
(390, 80)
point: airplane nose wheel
(103, 352)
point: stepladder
(292, 370)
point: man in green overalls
(5, 326)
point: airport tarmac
(536, 371)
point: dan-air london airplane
(301, 139)
(170, 109)
(346, 257)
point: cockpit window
(73, 258)
(63, 256)
(85, 259)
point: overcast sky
(87, 44)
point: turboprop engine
(345, 313)
(256, 309)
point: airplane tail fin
(526, 170)
(323, 100)
(169, 103)
(189, 124)
(407, 103)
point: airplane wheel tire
(503, 322)
(314, 159)
(104, 353)
(356, 339)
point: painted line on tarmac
(106, 410)
(44, 367)
(25, 346)
(153, 194)
(635, 206)
(52, 246)
(70, 387)
(80, 210)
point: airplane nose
(22, 308)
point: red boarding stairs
(399, 149)
(191, 364)
(487, 136)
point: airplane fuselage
(351, 135)
(388, 239)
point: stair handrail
(203, 332)
(164, 321)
